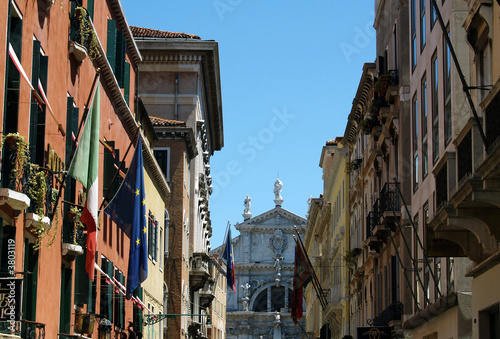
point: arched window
(279, 296)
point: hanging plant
(350, 256)
(37, 188)
(87, 36)
(16, 143)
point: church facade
(264, 263)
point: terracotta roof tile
(141, 32)
(165, 122)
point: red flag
(302, 275)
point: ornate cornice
(161, 58)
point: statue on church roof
(278, 185)
(248, 204)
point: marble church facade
(264, 262)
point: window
(110, 165)
(450, 274)
(416, 253)
(422, 25)
(413, 35)
(447, 89)
(39, 70)
(437, 274)
(14, 39)
(427, 262)
(415, 141)
(423, 109)
(162, 155)
(119, 301)
(489, 322)
(435, 107)
(152, 237)
(107, 291)
(433, 15)
(116, 51)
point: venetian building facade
(467, 173)
(439, 116)
(179, 85)
(326, 241)
(264, 255)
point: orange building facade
(62, 48)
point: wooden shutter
(121, 47)
(111, 44)
(65, 302)
(126, 82)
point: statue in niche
(277, 264)
(248, 204)
(278, 185)
(246, 289)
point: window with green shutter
(119, 320)
(111, 44)
(107, 291)
(152, 237)
(137, 312)
(65, 302)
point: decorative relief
(278, 243)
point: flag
(84, 168)
(302, 275)
(228, 256)
(128, 211)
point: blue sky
(289, 72)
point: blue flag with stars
(128, 211)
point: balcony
(392, 313)
(390, 205)
(207, 293)
(26, 186)
(199, 270)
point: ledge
(17, 200)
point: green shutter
(91, 308)
(90, 8)
(109, 171)
(104, 289)
(40, 134)
(82, 281)
(65, 302)
(111, 43)
(111, 292)
(35, 69)
(121, 49)
(155, 248)
(126, 82)
(138, 311)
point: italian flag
(84, 168)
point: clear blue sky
(289, 72)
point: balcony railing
(391, 313)
(389, 198)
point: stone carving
(246, 289)
(309, 200)
(278, 185)
(256, 284)
(278, 242)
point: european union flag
(228, 256)
(128, 211)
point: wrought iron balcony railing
(389, 198)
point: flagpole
(73, 149)
(316, 283)
(137, 133)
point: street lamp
(104, 329)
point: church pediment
(277, 217)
